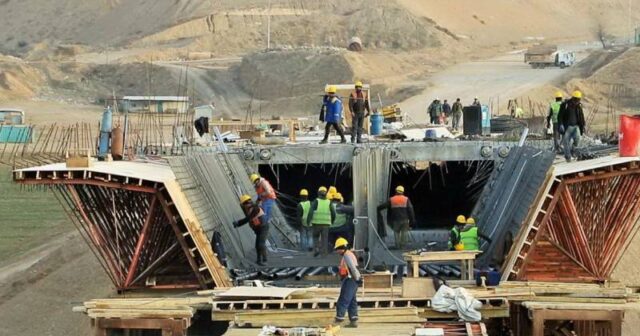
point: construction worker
(321, 216)
(572, 124)
(435, 110)
(446, 112)
(358, 104)
(554, 109)
(343, 224)
(331, 192)
(306, 233)
(476, 102)
(333, 115)
(454, 236)
(266, 194)
(456, 110)
(400, 215)
(467, 236)
(350, 278)
(255, 216)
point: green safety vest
(555, 109)
(455, 233)
(340, 220)
(322, 214)
(470, 239)
(306, 205)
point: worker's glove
(360, 281)
(236, 224)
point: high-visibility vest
(265, 190)
(470, 239)
(343, 269)
(322, 214)
(254, 221)
(341, 218)
(555, 109)
(306, 206)
(399, 201)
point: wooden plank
(139, 313)
(142, 323)
(441, 256)
(259, 292)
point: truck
(543, 56)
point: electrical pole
(269, 25)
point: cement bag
(447, 300)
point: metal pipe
(316, 271)
(301, 273)
(432, 270)
(331, 271)
(247, 276)
(284, 273)
(523, 136)
(274, 274)
(394, 271)
(421, 272)
(453, 271)
(405, 271)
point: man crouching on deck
(350, 277)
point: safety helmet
(459, 247)
(338, 196)
(244, 199)
(322, 189)
(332, 89)
(332, 190)
(304, 192)
(471, 221)
(577, 94)
(254, 177)
(559, 94)
(400, 189)
(461, 219)
(340, 243)
(358, 84)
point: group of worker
(568, 121)
(323, 220)
(439, 113)
(332, 112)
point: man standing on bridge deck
(358, 104)
(476, 102)
(571, 119)
(350, 279)
(255, 216)
(400, 216)
(321, 216)
(266, 194)
(306, 233)
(332, 105)
(554, 109)
(435, 110)
(456, 109)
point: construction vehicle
(543, 56)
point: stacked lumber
(145, 308)
(610, 292)
(392, 113)
(460, 328)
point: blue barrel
(376, 124)
(430, 134)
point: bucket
(629, 136)
(430, 134)
(376, 124)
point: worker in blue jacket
(333, 114)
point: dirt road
(497, 79)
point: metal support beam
(142, 239)
(130, 187)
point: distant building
(159, 104)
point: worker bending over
(306, 233)
(266, 194)
(255, 216)
(571, 118)
(554, 110)
(359, 107)
(321, 216)
(400, 215)
(350, 278)
(332, 107)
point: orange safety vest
(264, 186)
(399, 201)
(255, 221)
(343, 270)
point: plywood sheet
(259, 292)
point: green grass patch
(28, 217)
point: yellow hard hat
(459, 247)
(577, 94)
(254, 177)
(461, 219)
(358, 84)
(244, 198)
(471, 221)
(332, 89)
(559, 94)
(338, 196)
(322, 189)
(332, 190)
(400, 189)
(340, 242)
(304, 192)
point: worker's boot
(352, 324)
(324, 141)
(344, 140)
